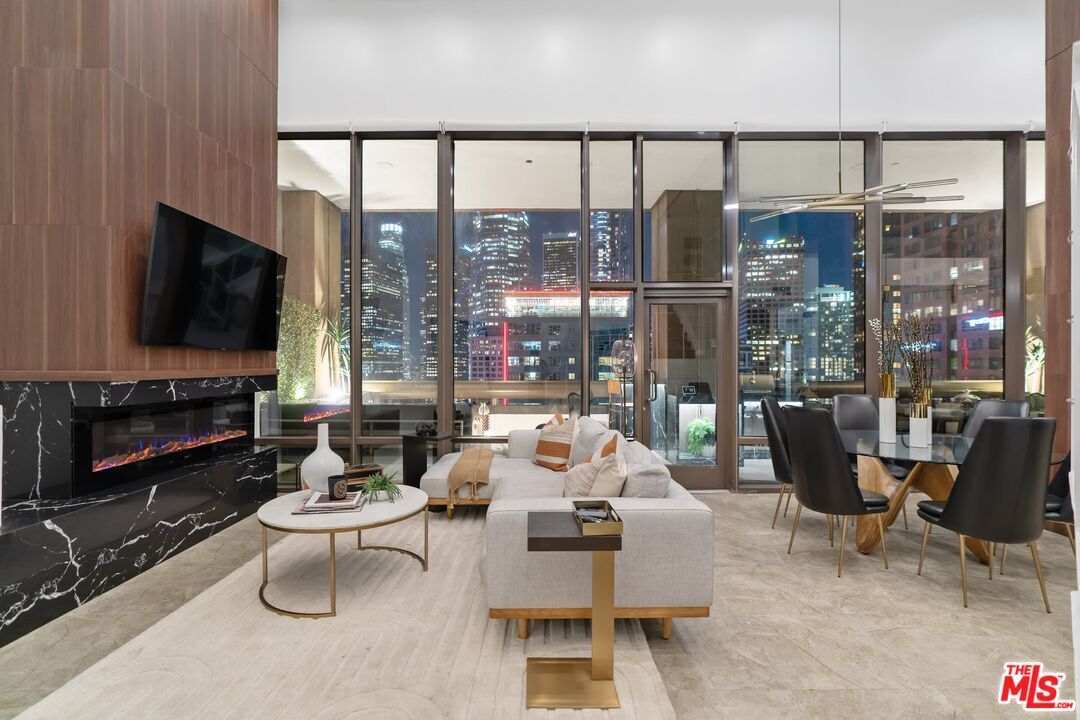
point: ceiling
(681, 64)
(402, 174)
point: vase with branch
(887, 335)
(916, 347)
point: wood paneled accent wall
(106, 107)
(1062, 30)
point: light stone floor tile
(786, 638)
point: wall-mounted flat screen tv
(209, 288)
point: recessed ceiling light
(528, 162)
(385, 164)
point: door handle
(652, 385)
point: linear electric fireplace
(113, 445)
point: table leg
(425, 538)
(933, 479)
(603, 615)
(333, 577)
(265, 569)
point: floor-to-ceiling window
(313, 351)
(517, 292)
(398, 291)
(801, 284)
(946, 260)
(611, 260)
(683, 203)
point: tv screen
(209, 288)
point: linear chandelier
(892, 194)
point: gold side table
(278, 515)
(577, 682)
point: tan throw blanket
(472, 469)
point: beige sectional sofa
(665, 569)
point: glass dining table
(933, 472)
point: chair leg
(790, 492)
(794, 526)
(990, 563)
(1004, 551)
(779, 499)
(963, 568)
(1072, 538)
(884, 550)
(903, 510)
(1039, 572)
(829, 524)
(843, 542)
(922, 551)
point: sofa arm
(666, 559)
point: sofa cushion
(522, 443)
(553, 447)
(638, 454)
(588, 433)
(646, 481)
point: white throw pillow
(579, 480)
(638, 454)
(647, 481)
(610, 476)
(587, 435)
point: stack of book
(323, 503)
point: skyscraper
(560, 261)
(429, 319)
(829, 340)
(501, 261)
(611, 243)
(772, 291)
(384, 285)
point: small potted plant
(701, 437)
(383, 485)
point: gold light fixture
(894, 194)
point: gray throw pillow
(648, 481)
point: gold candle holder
(888, 385)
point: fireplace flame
(323, 414)
(164, 447)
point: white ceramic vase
(322, 463)
(920, 432)
(887, 420)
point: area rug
(405, 644)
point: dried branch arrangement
(888, 339)
(915, 348)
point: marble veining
(62, 554)
(36, 422)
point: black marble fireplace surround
(59, 548)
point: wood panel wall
(1062, 30)
(106, 107)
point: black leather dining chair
(821, 476)
(1059, 500)
(1000, 491)
(776, 432)
(989, 408)
(858, 412)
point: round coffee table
(278, 515)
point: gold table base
(566, 683)
(582, 682)
(333, 563)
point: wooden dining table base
(933, 479)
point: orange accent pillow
(553, 447)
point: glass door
(684, 384)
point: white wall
(679, 64)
